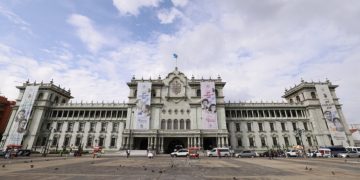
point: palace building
(175, 111)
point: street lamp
(299, 133)
(47, 142)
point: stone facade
(175, 119)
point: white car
(314, 154)
(350, 154)
(292, 153)
(179, 153)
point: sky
(258, 47)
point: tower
(325, 112)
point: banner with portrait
(332, 118)
(208, 105)
(20, 122)
(143, 100)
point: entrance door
(141, 143)
(170, 144)
(209, 143)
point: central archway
(172, 144)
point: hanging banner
(19, 124)
(331, 116)
(208, 105)
(143, 99)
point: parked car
(314, 154)
(23, 152)
(248, 153)
(180, 153)
(292, 153)
(349, 154)
(335, 150)
(215, 152)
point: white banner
(208, 105)
(143, 99)
(331, 116)
(21, 119)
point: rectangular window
(115, 127)
(58, 126)
(260, 127)
(272, 127)
(92, 127)
(113, 142)
(286, 140)
(77, 141)
(283, 127)
(263, 142)
(274, 141)
(48, 125)
(237, 125)
(251, 142)
(298, 142)
(86, 114)
(113, 114)
(70, 127)
(76, 113)
(71, 113)
(124, 114)
(305, 126)
(89, 141)
(81, 127)
(103, 127)
(309, 141)
(249, 126)
(101, 141)
(55, 141)
(239, 141)
(66, 141)
(294, 126)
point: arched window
(176, 124)
(169, 124)
(56, 100)
(163, 124)
(135, 93)
(198, 92)
(182, 124)
(188, 124)
(63, 101)
(40, 96)
(313, 95)
(153, 93)
(291, 101)
(216, 93)
(297, 99)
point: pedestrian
(219, 153)
(127, 153)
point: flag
(175, 56)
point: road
(164, 167)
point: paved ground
(164, 167)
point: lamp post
(299, 133)
(130, 132)
(47, 142)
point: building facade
(173, 112)
(5, 111)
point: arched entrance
(170, 144)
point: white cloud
(180, 3)
(16, 19)
(167, 17)
(132, 7)
(87, 32)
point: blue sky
(259, 49)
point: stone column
(188, 142)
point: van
(224, 152)
(335, 150)
(325, 152)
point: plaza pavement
(164, 167)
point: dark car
(23, 152)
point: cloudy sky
(258, 47)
